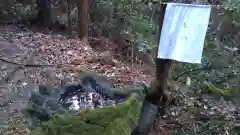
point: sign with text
(183, 32)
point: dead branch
(26, 65)
(10, 75)
(198, 69)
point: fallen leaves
(77, 56)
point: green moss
(114, 120)
(226, 92)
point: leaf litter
(51, 49)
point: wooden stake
(155, 94)
(163, 66)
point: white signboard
(183, 32)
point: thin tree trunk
(83, 19)
(43, 17)
(69, 19)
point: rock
(39, 112)
(43, 90)
(37, 99)
(55, 107)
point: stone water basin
(72, 98)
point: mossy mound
(114, 120)
(49, 112)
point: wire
(192, 4)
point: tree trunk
(83, 19)
(69, 19)
(43, 17)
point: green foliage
(14, 9)
(221, 61)
(24, 11)
(135, 19)
(232, 5)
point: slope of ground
(59, 58)
(22, 49)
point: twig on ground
(10, 75)
(26, 65)
(198, 69)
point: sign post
(182, 31)
(156, 93)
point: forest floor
(24, 49)
(25, 55)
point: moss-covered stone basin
(51, 112)
(114, 120)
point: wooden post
(156, 94)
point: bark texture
(83, 19)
